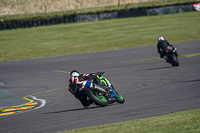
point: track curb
(20, 108)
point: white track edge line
(42, 105)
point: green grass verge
(90, 36)
(186, 122)
(181, 56)
(2, 108)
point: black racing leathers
(81, 79)
(162, 45)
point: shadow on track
(73, 110)
(80, 109)
(156, 68)
(190, 81)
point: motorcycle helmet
(74, 73)
(161, 38)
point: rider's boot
(167, 59)
(87, 104)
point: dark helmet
(74, 73)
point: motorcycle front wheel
(120, 99)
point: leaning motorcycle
(170, 53)
(98, 94)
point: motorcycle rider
(86, 80)
(162, 45)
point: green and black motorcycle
(98, 94)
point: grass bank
(90, 36)
(186, 121)
(2, 108)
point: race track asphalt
(150, 88)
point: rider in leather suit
(86, 80)
(162, 45)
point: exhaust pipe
(99, 88)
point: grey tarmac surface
(150, 88)
(8, 98)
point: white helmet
(74, 73)
(161, 38)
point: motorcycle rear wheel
(174, 60)
(97, 99)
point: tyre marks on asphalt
(35, 104)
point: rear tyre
(174, 60)
(97, 99)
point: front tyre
(120, 99)
(97, 98)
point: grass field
(2, 108)
(184, 122)
(106, 35)
(90, 36)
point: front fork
(112, 93)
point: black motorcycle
(172, 59)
